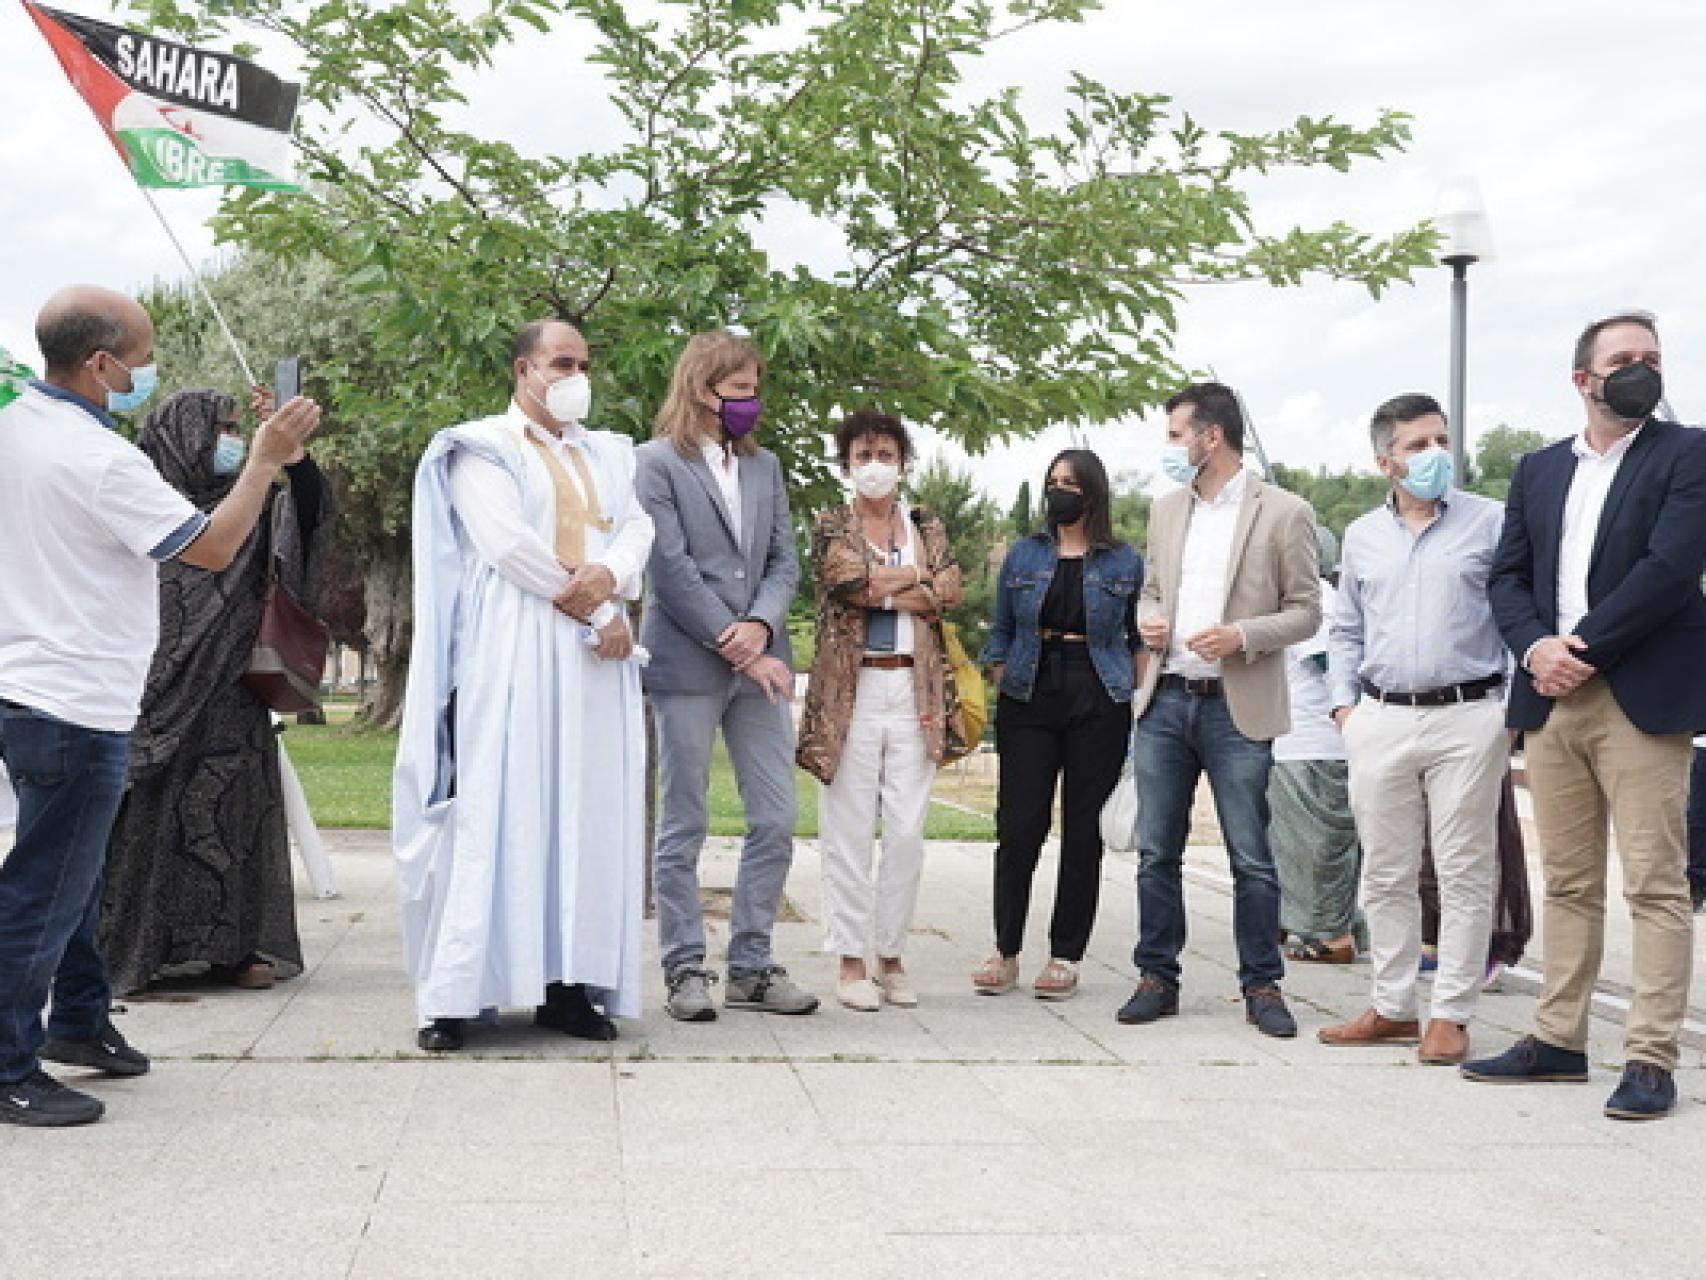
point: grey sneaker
(689, 998)
(768, 990)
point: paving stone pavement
(297, 1131)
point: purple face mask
(739, 415)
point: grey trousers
(760, 738)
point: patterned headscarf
(179, 437)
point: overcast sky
(1583, 123)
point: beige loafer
(897, 989)
(861, 995)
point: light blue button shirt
(1413, 612)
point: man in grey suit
(1232, 581)
(721, 577)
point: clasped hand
(1556, 670)
(591, 586)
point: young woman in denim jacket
(1064, 652)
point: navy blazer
(1646, 621)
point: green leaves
(816, 170)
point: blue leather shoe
(1154, 998)
(1529, 1061)
(1647, 1092)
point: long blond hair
(707, 359)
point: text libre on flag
(180, 116)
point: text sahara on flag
(180, 116)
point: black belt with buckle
(1202, 687)
(1468, 691)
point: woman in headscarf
(199, 866)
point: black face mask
(1633, 391)
(1064, 506)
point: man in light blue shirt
(1418, 666)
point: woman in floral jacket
(875, 717)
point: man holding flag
(84, 518)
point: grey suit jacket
(1273, 591)
(701, 576)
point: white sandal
(996, 975)
(1057, 981)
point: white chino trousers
(1434, 774)
(884, 775)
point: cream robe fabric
(519, 814)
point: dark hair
(869, 422)
(68, 338)
(528, 338)
(1092, 478)
(1394, 413)
(1590, 336)
(1213, 404)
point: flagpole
(201, 284)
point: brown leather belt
(886, 661)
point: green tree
(1130, 509)
(974, 529)
(1338, 497)
(1022, 520)
(301, 307)
(1497, 454)
(990, 278)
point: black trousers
(1072, 730)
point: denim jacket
(1112, 578)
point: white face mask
(568, 400)
(875, 480)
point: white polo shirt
(84, 518)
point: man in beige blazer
(1231, 582)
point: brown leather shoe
(1445, 1044)
(1368, 1027)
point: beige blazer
(1273, 592)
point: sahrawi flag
(180, 116)
(13, 376)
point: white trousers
(884, 775)
(1428, 774)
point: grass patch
(346, 771)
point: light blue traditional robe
(518, 805)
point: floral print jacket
(843, 560)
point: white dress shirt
(1582, 511)
(1202, 575)
(486, 502)
(725, 468)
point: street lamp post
(1463, 222)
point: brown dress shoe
(1368, 1027)
(1445, 1044)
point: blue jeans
(1180, 737)
(69, 782)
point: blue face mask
(143, 380)
(1430, 474)
(228, 455)
(1177, 466)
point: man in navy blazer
(1596, 588)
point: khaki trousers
(1588, 764)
